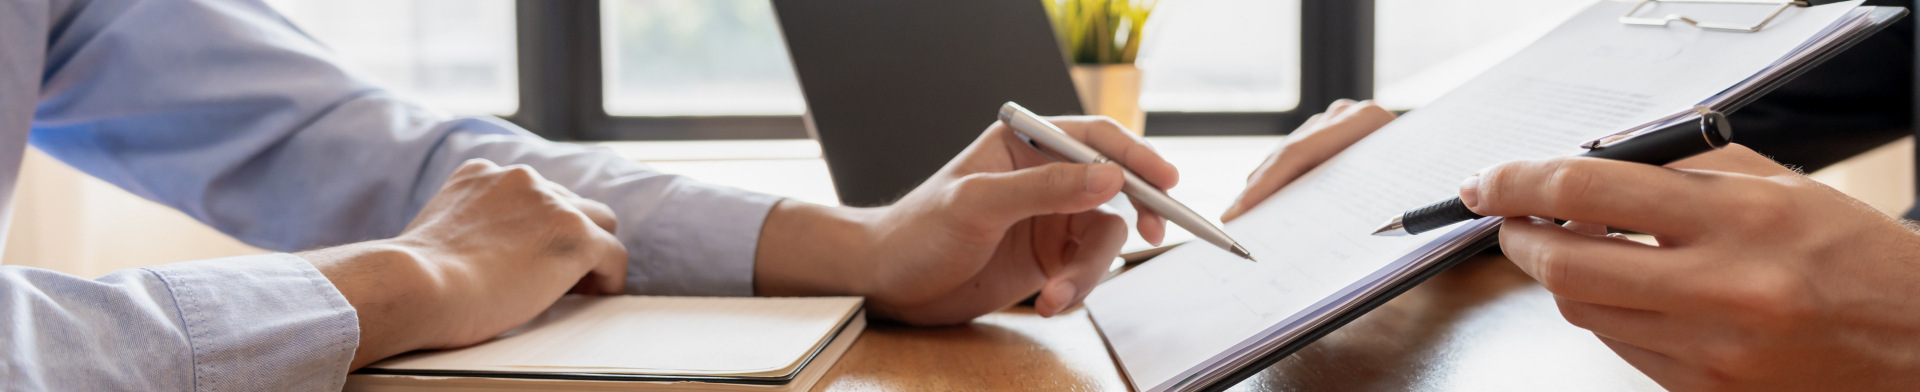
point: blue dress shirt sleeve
(224, 110)
(254, 323)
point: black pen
(1656, 147)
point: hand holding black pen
(1655, 147)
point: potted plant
(1102, 38)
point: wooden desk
(1009, 350)
(1482, 326)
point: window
(1221, 56)
(455, 55)
(718, 69)
(1425, 48)
(695, 57)
(725, 57)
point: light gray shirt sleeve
(254, 323)
(224, 110)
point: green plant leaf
(1100, 31)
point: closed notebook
(702, 343)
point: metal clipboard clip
(1631, 19)
(1704, 113)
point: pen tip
(1242, 252)
(1393, 228)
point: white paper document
(1197, 311)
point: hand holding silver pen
(1064, 147)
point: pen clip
(1049, 139)
(1049, 153)
(1026, 139)
(1699, 111)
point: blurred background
(725, 57)
(684, 81)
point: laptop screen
(896, 88)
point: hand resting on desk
(491, 250)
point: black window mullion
(559, 60)
(700, 128)
(1220, 123)
(1336, 52)
(1336, 61)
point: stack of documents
(654, 343)
(1200, 318)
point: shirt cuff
(261, 322)
(701, 240)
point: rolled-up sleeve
(225, 111)
(252, 323)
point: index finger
(1124, 147)
(1632, 196)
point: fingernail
(1103, 178)
(1470, 191)
(1060, 295)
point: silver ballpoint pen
(1064, 147)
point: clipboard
(1634, 15)
(1484, 232)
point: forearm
(807, 249)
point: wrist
(389, 285)
(809, 250)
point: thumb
(1054, 188)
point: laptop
(896, 88)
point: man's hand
(996, 224)
(495, 247)
(1762, 279)
(1323, 135)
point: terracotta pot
(1111, 90)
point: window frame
(562, 97)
